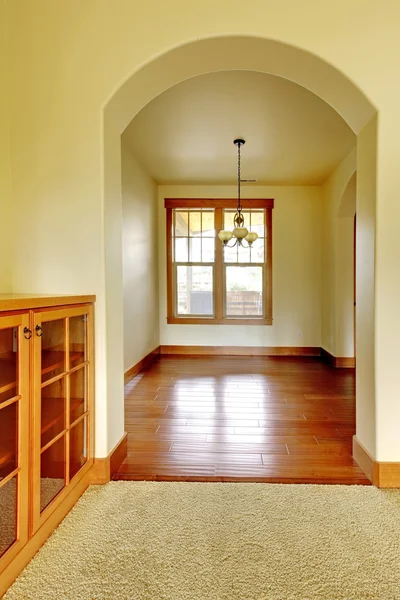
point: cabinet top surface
(29, 301)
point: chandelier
(240, 232)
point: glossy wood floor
(241, 419)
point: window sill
(212, 321)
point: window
(212, 284)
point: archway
(221, 54)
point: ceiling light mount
(240, 232)
(239, 142)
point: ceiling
(185, 135)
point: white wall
(296, 272)
(140, 261)
(338, 208)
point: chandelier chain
(239, 204)
(240, 233)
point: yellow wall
(367, 393)
(140, 261)
(338, 208)
(69, 58)
(296, 239)
(6, 218)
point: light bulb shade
(251, 237)
(225, 235)
(240, 232)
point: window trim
(219, 204)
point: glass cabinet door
(14, 415)
(61, 369)
(51, 339)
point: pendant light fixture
(240, 232)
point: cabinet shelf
(8, 374)
(53, 359)
(5, 456)
(53, 413)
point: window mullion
(268, 264)
(218, 271)
(170, 266)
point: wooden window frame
(218, 204)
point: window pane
(208, 251)
(258, 222)
(228, 218)
(195, 223)
(181, 223)
(244, 254)
(257, 251)
(230, 254)
(244, 291)
(195, 249)
(208, 228)
(229, 215)
(195, 290)
(181, 250)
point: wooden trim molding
(332, 361)
(141, 365)
(339, 362)
(241, 350)
(104, 469)
(218, 318)
(345, 362)
(10, 302)
(221, 321)
(381, 474)
(218, 202)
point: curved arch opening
(165, 71)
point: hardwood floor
(288, 420)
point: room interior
(166, 154)
(84, 303)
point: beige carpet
(200, 541)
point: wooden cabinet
(14, 435)
(46, 394)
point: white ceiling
(185, 135)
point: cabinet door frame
(38, 317)
(20, 320)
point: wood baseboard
(381, 474)
(241, 350)
(141, 365)
(339, 362)
(104, 469)
(37, 540)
